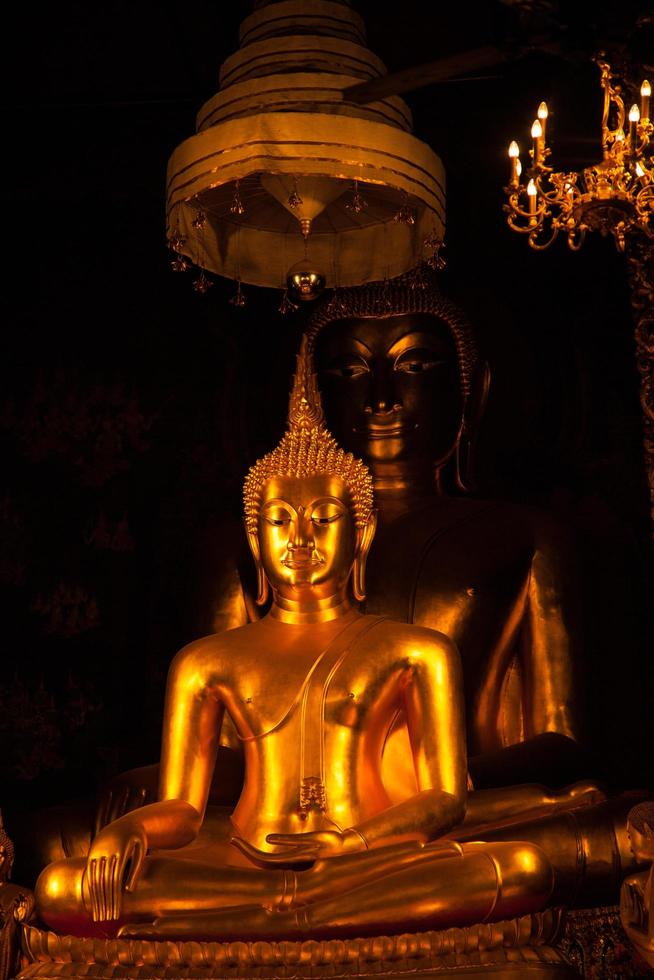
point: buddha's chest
(466, 579)
(474, 598)
(312, 698)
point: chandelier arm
(541, 246)
(574, 244)
(553, 197)
(611, 97)
(540, 212)
(604, 82)
(521, 229)
(645, 200)
(561, 186)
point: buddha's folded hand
(114, 863)
(299, 854)
(328, 843)
(302, 848)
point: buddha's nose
(382, 394)
(301, 534)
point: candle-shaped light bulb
(537, 137)
(514, 156)
(634, 119)
(639, 170)
(645, 92)
(531, 194)
(518, 169)
(542, 114)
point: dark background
(130, 406)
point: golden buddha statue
(637, 895)
(313, 690)
(404, 388)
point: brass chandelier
(614, 196)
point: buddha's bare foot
(583, 793)
(237, 922)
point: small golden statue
(637, 895)
(16, 905)
(313, 690)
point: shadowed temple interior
(363, 674)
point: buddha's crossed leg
(435, 886)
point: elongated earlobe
(262, 582)
(262, 586)
(464, 463)
(366, 535)
(472, 416)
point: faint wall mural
(96, 425)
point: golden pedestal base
(516, 948)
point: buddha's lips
(302, 562)
(382, 431)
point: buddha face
(307, 536)
(391, 386)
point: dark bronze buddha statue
(405, 388)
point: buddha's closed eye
(321, 514)
(326, 514)
(277, 516)
(352, 366)
(417, 360)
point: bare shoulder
(210, 653)
(523, 523)
(199, 649)
(417, 643)
(543, 529)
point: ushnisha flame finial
(308, 449)
(305, 405)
